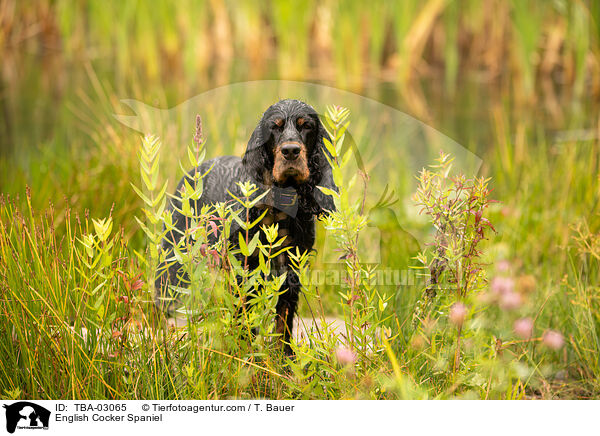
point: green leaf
(161, 195)
(257, 199)
(328, 191)
(329, 147)
(262, 265)
(242, 243)
(238, 220)
(253, 243)
(142, 196)
(242, 202)
(259, 219)
(144, 228)
(192, 158)
(147, 182)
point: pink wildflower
(510, 300)
(503, 266)
(345, 355)
(502, 285)
(524, 328)
(458, 313)
(553, 339)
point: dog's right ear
(324, 201)
(256, 159)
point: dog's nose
(290, 151)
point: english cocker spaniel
(286, 156)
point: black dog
(286, 155)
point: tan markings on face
(279, 122)
(300, 121)
(300, 166)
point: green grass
(78, 319)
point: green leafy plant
(456, 207)
(365, 305)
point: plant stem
(457, 352)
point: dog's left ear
(256, 159)
(324, 201)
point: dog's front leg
(286, 308)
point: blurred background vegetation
(457, 65)
(517, 82)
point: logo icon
(26, 415)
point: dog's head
(286, 150)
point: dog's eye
(303, 123)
